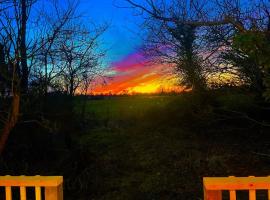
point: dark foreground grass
(160, 147)
(145, 147)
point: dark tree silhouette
(175, 36)
(34, 57)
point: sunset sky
(125, 63)
(133, 74)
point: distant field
(122, 107)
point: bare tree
(79, 55)
(175, 35)
(245, 46)
(225, 19)
(18, 54)
(47, 67)
(13, 37)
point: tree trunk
(11, 121)
(71, 87)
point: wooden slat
(232, 192)
(236, 183)
(31, 181)
(232, 195)
(212, 195)
(252, 194)
(23, 193)
(60, 195)
(38, 193)
(54, 193)
(8, 193)
(268, 194)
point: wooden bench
(53, 186)
(213, 186)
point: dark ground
(143, 147)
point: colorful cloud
(134, 74)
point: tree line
(45, 46)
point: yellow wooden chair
(53, 186)
(213, 186)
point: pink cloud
(132, 71)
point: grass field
(160, 147)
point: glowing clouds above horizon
(134, 74)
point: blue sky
(121, 39)
(124, 61)
(124, 58)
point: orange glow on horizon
(139, 79)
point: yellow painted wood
(232, 195)
(232, 184)
(204, 193)
(54, 193)
(236, 183)
(252, 194)
(212, 195)
(50, 193)
(23, 193)
(38, 193)
(31, 181)
(60, 192)
(8, 193)
(232, 192)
